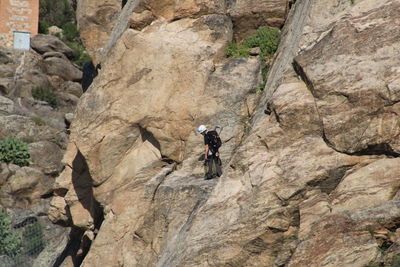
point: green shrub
(56, 12)
(237, 50)
(44, 27)
(81, 56)
(45, 94)
(266, 39)
(13, 150)
(33, 239)
(395, 261)
(70, 32)
(10, 243)
(38, 121)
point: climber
(212, 143)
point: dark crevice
(72, 248)
(79, 245)
(47, 195)
(277, 116)
(148, 136)
(378, 149)
(300, 71)
(383, 149)
(168, 160)
(162, 180)
(60, 192)
(333, 179)
(123, 3)
(295, 217)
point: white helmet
(201, 129)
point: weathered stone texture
(309, 164)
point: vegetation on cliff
(62, 15)
(13, 150)
(18, 245)
(10, 243)
(266, 39)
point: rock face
(25, 192)
(97, 20)
(311, 173)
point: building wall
(17, 15)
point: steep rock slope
(311, 171)
(39, 120)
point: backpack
(215, 141)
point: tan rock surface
(95, 22)
(47, 156)
(293, 192)
(365, 88)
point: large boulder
(62, 68)
(366, 120)
(29, 80)
(47, 156)
(73, 88)
(26, 186)
(43, 43)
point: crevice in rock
(47, 195)
(72, 248)
(377, 149)
(295, 216)
(148, 136)
(79, 244)
(333, 179)
(60, 192)
(300, 71)
(277, 118)
(162, 180)
(123, 3)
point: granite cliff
(311, 169)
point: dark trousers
(214, 166)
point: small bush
(237, 50)
(10, 243)
(395, 261)
(70, 32)
(33, 239)
(81, 56)
(45, 94)
(44, 27)
(265, 38)
(56, 12)
(13, 150)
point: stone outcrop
(25, 192)
(311, 173)
(95, 22)
(98, 20)
(43, 43)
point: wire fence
(20, 244)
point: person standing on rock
(212, 142)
